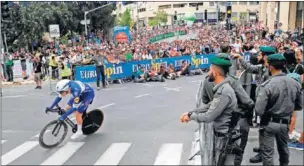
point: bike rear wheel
(92, 121)
(57, 126)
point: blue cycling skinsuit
(82, 96)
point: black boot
(256, 159)
(256, 149)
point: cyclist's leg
(83, 108)
(78, 116)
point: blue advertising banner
(126, 69)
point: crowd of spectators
(208, 40)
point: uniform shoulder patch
(215, 103)
(265, 83)
(76, 100)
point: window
(243, 3)
(211, 3)
(222, 3)
(164, 7)
(234, 14)
(179, 5)
(253, 3)
(142, 10)
(195, 4)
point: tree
(29, 22)
(37, 17)
(125, 19)
(160, 17)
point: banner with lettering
(167, 35)
(126, 69)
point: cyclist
(82, 96)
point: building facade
(143, 11)
(290, 14)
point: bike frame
(70, 122)
(59, 124)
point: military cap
(220, 62)
(267, 50)
(223, 56)
(276, 58)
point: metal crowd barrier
(202, 146)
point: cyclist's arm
(69, 112)
(55, 102)
(75, 106)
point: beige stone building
(143, 11)
(290, 14)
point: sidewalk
(18, 81)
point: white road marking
(17, 131)
(196, 81)
(37, 135)
(147, 94)
(153, 85)
(63, 154)
(173, 89)
(3, 141)
(114, 154)
(8, 97)
(115, 88)
(105, 106)
(18, 151)
(169, 154)
(145, 84)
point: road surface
(141, 127)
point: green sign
(166, 35)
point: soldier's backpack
(295, 74)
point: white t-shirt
(237, 47)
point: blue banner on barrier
(123, 70)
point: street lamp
(87, 12)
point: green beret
(223, 56)
(267, 50)
(220, 62)
(276, 57)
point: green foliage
(125, 19)
(29, 23)
(160, 17)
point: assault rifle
(233, 135)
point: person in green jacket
(9, 63)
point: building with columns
(290, 14)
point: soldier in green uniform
(245, 104)
(277, 98)
(220, 109)
(262, 74)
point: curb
(19, 83)
(6, 84)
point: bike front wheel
(54, 127)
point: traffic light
(4, 10)
(229, 11)
(175, 16)
(206, 14)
